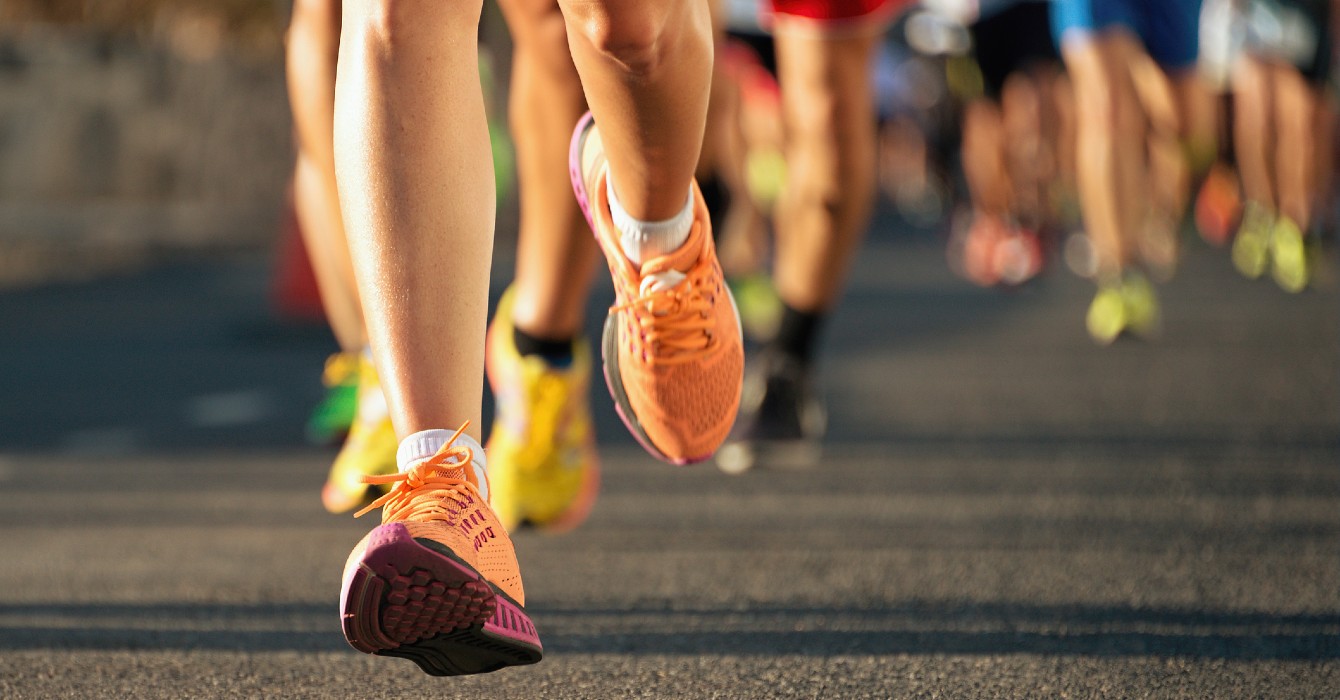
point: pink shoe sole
(410, 598)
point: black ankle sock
(798, 333)
(717, 199)
(557, 353)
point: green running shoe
(369, 449)
(331, 418)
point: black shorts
(1013, 39)
(1318, 68)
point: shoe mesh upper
(438, 500)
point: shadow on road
(914, 628)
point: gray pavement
(1005, 511)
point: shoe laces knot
(670, 321)
(436, 488)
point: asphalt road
(1004, 511)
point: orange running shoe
(1218, 205)
(672, 349)
(437, 582)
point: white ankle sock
(644, 240)
(425, 443)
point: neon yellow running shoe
(1125, 305)
(1288, 254)
(1143, 316)
(760, 307)
(1107, 314)
(543, 467)
(1251, 247)
(369, 449)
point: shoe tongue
(661, 281)
(452, 471)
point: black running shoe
(782, 419)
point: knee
(1105, 113)
(823, 167)
(631, 34)
(389, 23)
(825, 128)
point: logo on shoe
(484, 536)
(471, 521)
(476, 519)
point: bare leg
(646, 69)
(1198, 106)
(1169, 175)
(312, 49)
(984, 158)
(716, 151)
(1253, 126)
(556, 254)
(417, 191)
(1067, 122)
(1025, 154)
(1295, 106)
(1168, 169)
(831, 134)
(416, 184)
(1110, 173)
(1324, 128)
(725, 151)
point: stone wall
(116, 146)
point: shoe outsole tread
(409, 600)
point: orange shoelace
(427, 491)
(672, 325)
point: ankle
(798, 334)
(416, 447)
(556, 352)
(644, 240)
